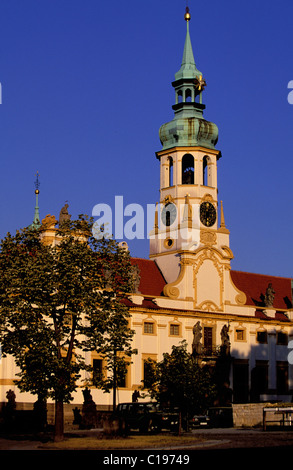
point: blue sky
(86, 85)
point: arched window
(205, 162)
(188, 95)
(179, 96)
(170, 171)
(188, 169)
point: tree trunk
(59, 421)
(180, 424)
(114, 389)
(114, 382)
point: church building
(187, 289)
(188, 283)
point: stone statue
(135, 396)
(64, 216)
(197, 335)
(225, 346)
(135, 275)
(49, 221)
(269, 296)
(87, 396)
(10, 395)
(9, 410)
(89, 411)
(77, 416)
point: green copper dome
(189, 132)
(188, 128)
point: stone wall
(248, 414)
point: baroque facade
(187, 289)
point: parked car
(144, 416)
(221, 416)
(170, 420)
(198, 421)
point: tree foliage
(58, 301)
(179, 382)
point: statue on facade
(225, 341)
(64, 215)
(89, 411)
(197, 335)
(135, 276)
(135, 396)
(49, 221)
(269, 296)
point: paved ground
(231, 438)
(214, 439)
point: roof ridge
(260, 274)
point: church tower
(189, 221)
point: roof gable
(255, 285)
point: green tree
(57, 302)
(115, 345)
(178, 381)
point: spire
(188, 128)
(188, 68)
(36, 223)
(223, 228)
(187, 211)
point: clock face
(169, 213)
(208, 214)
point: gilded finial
(37, 184)
(187, 14)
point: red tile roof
(152, 280)
(255, 285)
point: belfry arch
(187, 169)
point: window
(262, 376)
(259, 379)
(170, 171)
(262, 373)
(262, 337)
(240, 380)
(208, 339)
(282, 377)
(97, 369)
(148, 328)
(205, 181)
(121, 380)
(174, 330)
(188, 95)
(188, 169)
(282, 338)
(239, 334)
